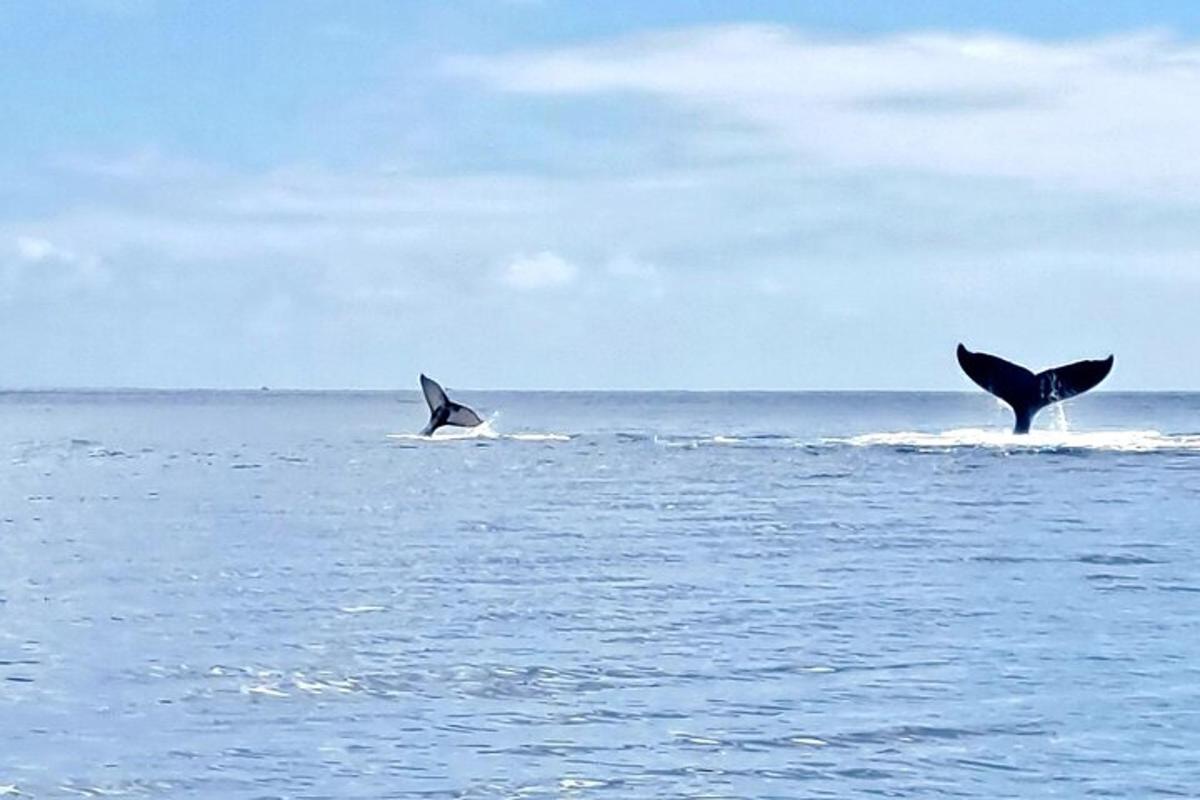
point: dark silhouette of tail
(443, 410)
(1028, 393)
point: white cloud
(640, 279)
(1106, 113)
(34, 250)
(37, 264)
(540, 271)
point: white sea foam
(695, 441)
(537, 437)
(482, 431)
(1135, 441)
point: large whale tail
(443, 410)
(1026, 392)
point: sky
(623, 195)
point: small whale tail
(443, 410)
(1026, 392)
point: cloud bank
(1111, 113)
(739, 206)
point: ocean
(626, 595)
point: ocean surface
(624, 595)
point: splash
(1060, 418)
(1125, 441)
(451, 434)
(484, 431)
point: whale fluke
(1026, 392)
(443, 410)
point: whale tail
(443, 410)
(1026, 392)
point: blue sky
(546, 194)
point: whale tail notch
(1026, 392)
(443, 410)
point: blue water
(261, 595)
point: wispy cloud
(1108, 113)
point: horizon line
(378, 390)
